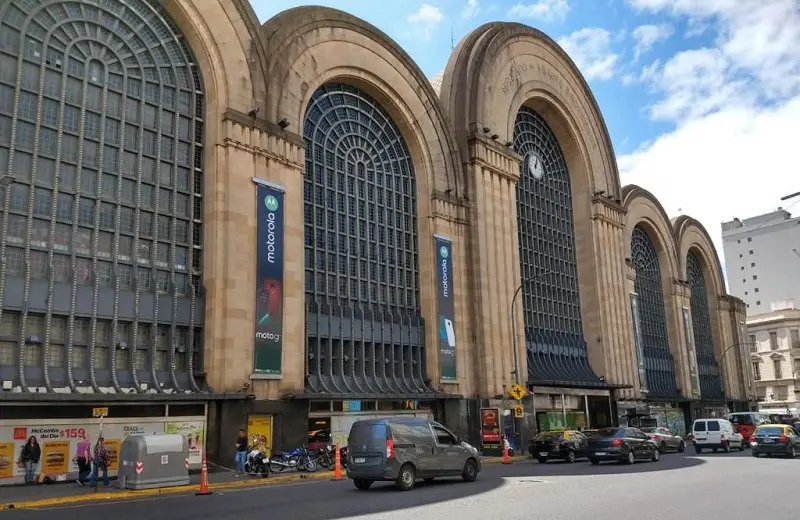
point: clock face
(535, 166)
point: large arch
(501, 66)
(644, 209)
(691, 235)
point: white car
(716, 434)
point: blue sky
(701, 97)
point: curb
(190, 488)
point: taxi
(775, 439)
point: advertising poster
(8, 461)
(259, 431)
(112, 451)
(55, 457)
(490, 426)
(267, 348)
(447, 328)
(195, 434)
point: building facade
(774, 341)
(762, 255)
(288, 227)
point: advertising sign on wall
(268, 342)
(259, 432)
(447, 328)
(59, 442)
(490, 426)
(194, 432)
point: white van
(715, 434)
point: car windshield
(770, 430)
(548, 436)
(608, 432)
(649, 430)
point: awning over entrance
(560, 366)
(80, 397)
(422, 396)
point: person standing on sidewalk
(241, 450)
(84, 459)
(100, 464)
(31, 453)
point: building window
(756, 371)
(749, 239)
(551, 305)
(755, 277)
(794, 334)
(710, 379)
(773, 341)
(758, 302)
(751, 251)
(755, 290)
(751, 339)
(752, 264)
(777, 367)
(781, 393)
(125, 64)
(797, 367)
(741, 268)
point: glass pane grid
(364, 326)
(707, 367)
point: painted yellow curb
(133, 494)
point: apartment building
(774, 341)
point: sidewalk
(70, 493)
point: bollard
(506, 457)
(337, 465)
(203, 479)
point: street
(734, 486)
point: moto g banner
(267, 351)
(447, 328)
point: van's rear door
(366, 445)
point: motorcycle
(257, 463)
(298, 459)
(325, 456)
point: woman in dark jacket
(31, 453)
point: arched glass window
(707, 367)
(551, 299)
(101, 127)
(658, 361)
(364, 328)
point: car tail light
(783, 439)
(389, 449)
(616, 442)
(654, 437)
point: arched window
(658, 361)
(101, 128)
(710, 380)
(364, 328)
(551, 299)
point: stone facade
(467, 175)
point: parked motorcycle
(298, 459)
(325, 456)
(257, 463)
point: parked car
(665, 439)
(405, 449)
(715, 434)
(775, 439)
(621, 444)
(565, 445)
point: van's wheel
(470, 472)
(406, 478)
(727, 447)
(362, 484)
(631, 458)
(792, 452)
(681, 447)
(570, 457)
(656, 456)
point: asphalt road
(712, 486)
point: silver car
(405, 449)
(666, 440)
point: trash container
(153, 461)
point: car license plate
(599, 453)
(359, 460)
(701, 438)
(543, 454)
(767, 440)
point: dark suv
(405, 449)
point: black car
(775, 439)
(564, 445)
(623, 445)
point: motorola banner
(447, 328)
(267, 351)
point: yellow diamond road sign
(518, 392)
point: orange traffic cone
(337, 465)
(203, 479)
(506, 457)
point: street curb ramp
(126, 494)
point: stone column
(251, 148)
(683, 347)
(494, 271)
(732, 366)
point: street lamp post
(725, 353)
(790, 196)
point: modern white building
(774, 340)
(762, 260)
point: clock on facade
(535, 166)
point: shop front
(59, 430)
(569, 408)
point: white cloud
(470, 9)
(590, 49)
(648, 35)
(736, 106)
(425, 20)
(545, 10)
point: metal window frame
(711, 387)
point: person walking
(241, 451)
(31, 453)
(83, 458)
(100, 464)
